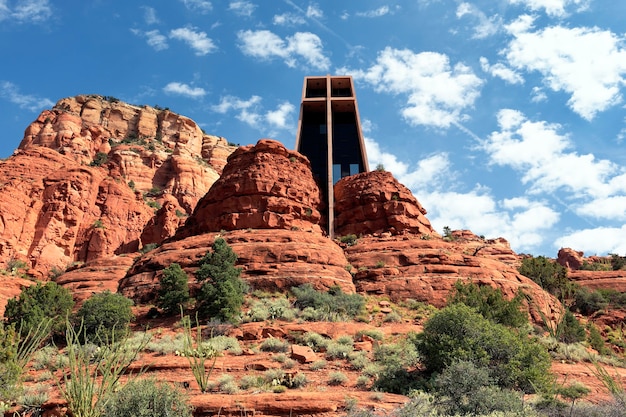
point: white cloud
(501, 71)
(10, 92)
(280, 118)
(486, 26)
(198, 41)
(523, 224)
(538, 95)
(242, 8)
(554, 8)
(200, 6)
(521, 221)
(314, 11)
(154, 38)
(541, 154)
(381, 11)
(288, 19)
(600, 240)
(437, 93)
(184, 90)
(149, 15)
(251, 112)
(609, 208)
(431, 171)
(26, 11)
(587, 63)
(267, 45)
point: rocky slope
(88, 175)
(96, 180)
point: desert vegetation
(478, 355)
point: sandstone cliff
(90, 173)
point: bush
(458, 333)
(550, 275)
(105, 317)
(147, 398)
(272, 344)
(588, 302)
(463, 388)
(222, 293)
(335, 303)
(569, 330)
(37, 303)
(490, 303)
(99, 159)
(595, 339)
(173, 289)
(337, 378)
(394, 363)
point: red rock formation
(425, 270)
(57, 206)
(570, 259)
(94, 277)
(375, 202)
(264, 186)
(272, 260)
(596, 280)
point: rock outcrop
(426, 269)
(375, 202)
(264, 186)
(271, 260)
(89, 175)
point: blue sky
(505, 117)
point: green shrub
(394, 364)
(99, 159)
(223, 343)
(595, 339)
(550, 275)
(173, 289)
(336, 304)
(490, 303)
(617, 262)
(317, 365)
(465, 389)
(337, 378)
(222, 293)
(458, 333)
(148, 398)
(38, 303)
(272, 344)
(569, 330)
(105, 317)
(349, 240)
(91, 378)
(270, 309)
(336, 350)
(588, 302)
(315, 341)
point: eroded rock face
(89, 176)
(570, 259)
(426, 270)
(264, 186)
(375, 202)
(96, 276)
(272, 260)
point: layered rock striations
(425, 269)
(90, 175)
(265, 186)
(267, 207)
(375, 202)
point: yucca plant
(85, 396)
(197, 353)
